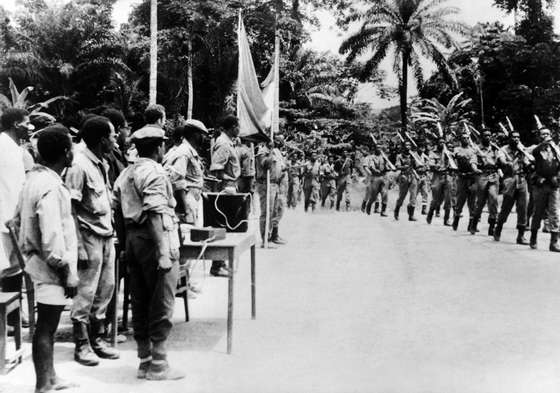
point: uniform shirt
(247, 161)
(45, 226)
(437, 161)
(184, 167)
(546, 162)
(375, 164)
(512, 161)
(88, 182)
(144, 187)
(225, 158)
(276, 164)
(326, 171)
(488, 157)
(404, 161)
(466, 159)
(311, 170)
(12, 177)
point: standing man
(225, 166)
(144, 205)
(15, 129)
(423, 183)
(343, 169)
(246, 181)
(376, 168)
(47, 238)
(515, 167)
(88, 183)
(466, 159)
(487, 183)
(545, 189)
(328, 185)
(408, 180)
(186, 172)
(311, 182)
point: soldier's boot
(363, 209)
(554, 246)
(533, 239)
(98, 344)
(438, 212)
(498, 231)
(396, 212)
(83, 353)
(159, 369)
(492, 225)
(521, 236)
(383, 210)
(473, 223)
(368, 208)
(424, 210)
(456, 222)
(275, 237)
(376, 208)
(446, 216)
(410, 210)
(430, 215)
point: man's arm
(155, 227)
(75, 181)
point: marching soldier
(311, 182)
(487, 183)
(343, 168)
(408, 180)
(376, 168)
(423, 182)
(545, 188)
(466, 159)
(515, 166)
(439, 163)
(328, 184)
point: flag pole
(274, 124)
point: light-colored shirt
(225, 158)
(88, 183)
(141, 188)
(184, 167)
(12, 177)
(247, 161)
(45, 226)
(274, 161)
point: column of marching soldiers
(460, 167)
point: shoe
(363, 207)
(533, 239)
(222, 271)
(456, 222)
(437, 213)
(275, 238)
(446, 217)
(424, 210)
(383, 210)
(410, 210)
(376, 208)
(162, 372)
(498, 232)
(100, 346)
(473, 222)
(83, 352)
(491, 227)
(143, 369)
(554, 247)
(396, 212)
(430, 216)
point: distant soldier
(467, 167)
(311, 182)
(343, 169)
(439, 163)
(424, 181)
(408, 180)
(328, 183)
(246, 181)
(376, 168)
(487, 183)
(294, 181)
(515, 167)
(545, 188)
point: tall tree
(153, 52)
(410, 29)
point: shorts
(50, 294)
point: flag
(271, 92)
(251, 108)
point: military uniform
(515, 190)
(440, 185)
(466, 160)
(311, 184)
(294, 184)
(487, 184)
(408, 183)
(343, 168)
(225, 157)
(546, 192)
(141, 190)
(376, 167)
(245, 183)
(328, 184)
(423, 181)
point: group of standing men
(460, 171)
(78, 204)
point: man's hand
(69, 282)
(164, 263)
(83, 258)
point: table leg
(115, 319)
(253, 285)
(230, 302)
(3, 338)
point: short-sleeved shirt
(375, 164)
(184, 167)
(141, 188)
(546, 162)
(225, 158)
(46, 228)
(488, 157)
(277, 164)
(513, 161)
(247, 161)
(466, 159)
(88, 182)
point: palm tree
(411, 30)
(153, 52)
(430, 112)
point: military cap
(148, 132)
(197, 124)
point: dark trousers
(12, 284)
(486, 191)
(441, 192)
(515, 192)
(465, 194)
(152, 292)
(546, 205)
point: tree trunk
(403, 90)
(153, 52)
(190, 81)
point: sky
(328, 37)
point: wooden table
(229, 249)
